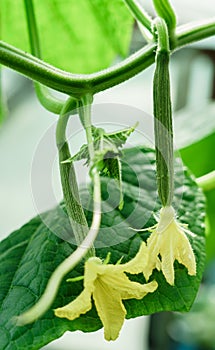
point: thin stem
(68, 179)
(81, 84)
(149, 38)
(47, 100)
(66, 266)
(86, 244)
(32, 28)
(140, 15)
(207, 182)
(165, 11)
(195, 31)
(163, 117)
(85, 116)
(45, 97)
(69, 106)
(162, 35)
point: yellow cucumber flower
(168, 242)
(109, 285)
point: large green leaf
(81, 36)
(29, 255)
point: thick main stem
(79, 84)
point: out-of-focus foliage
(196, 328)
(79, 36)
(199, 157)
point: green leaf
(191, 125)
(29, 255)
(103, 143)
(74, 35)
(107, 154)
(119, 138)
(108, 164)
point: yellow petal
(82, 303)
(137, 264)
(167, 262)
(79, 306)
(139, 291)
(127, 288)
(153, 245)
(111, 286)
(169, 241)
(91, 269)
(179, 249)
(110, 309)
(109, 291)
(185, 255)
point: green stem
(68, 179)
(75, 84)
(66, 266)
(32, 28)
(195, 31)
(86, 244)
(163, 117)
(162, 36)
(165, 11)
(85, 116)
(140, 14)
(47, 100)
(81, 84)
(207, 182)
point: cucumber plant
(50, 285)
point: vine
(79, 85)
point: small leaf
(109, 164)
(83, 153)
(107, 155)
(119, 138)
(103, 143)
